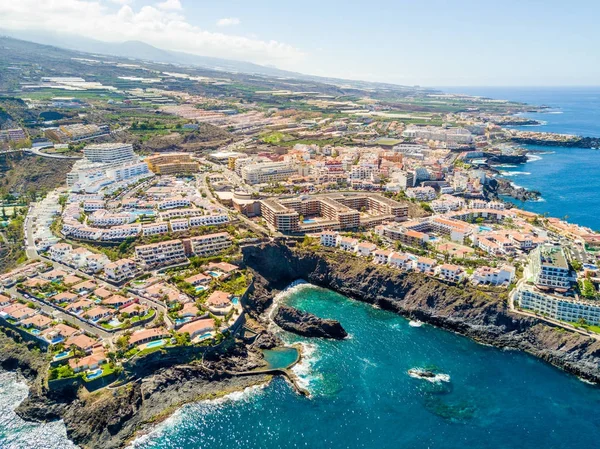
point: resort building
(172, 164)
(110, 153)
(204, 245)
(266, 172)
(558, 307)
(549, 268)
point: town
(137, 248)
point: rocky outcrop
(497, 187)
(308, 325)
(483, 316)
(551, 141)
(108, 418)
(493, 158)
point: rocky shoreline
(497, 187)
(481, 315)
(579, 142)
(307, 324)
(109, 418)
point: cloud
(122, 2)
(165, 28)
(170, 5)
(228, 21)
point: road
(37, 152)
(30, 249)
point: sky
(427, 43)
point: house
(38, 321)
(82, 342)
(79, 306)
(4, 301)
(64, 297)
(117, 301)
(189, 310)
(98, 313)
(103, 293)
(135, 309)
(198, 327)
(53, 275)
(17, 311)
(35, 282)
(450, 272)
(365, 249)
(198, 279)
(381, 256)
(71, 279)
(85, 286)
(146, 335)
(219, 302)
(223, 267)
(90, 362)
(58, 332)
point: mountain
(143, 51)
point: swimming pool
(62, 355)
(310, 220)
(155, 344)
(179, 321)
(203, 336)
(235, 300)
(214, 274)
(200, 288)
(35, 331)
(143, 212)
(485, 228)
(95, 374)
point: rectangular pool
(155, 344)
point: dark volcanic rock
(307, 324)
(482, 315)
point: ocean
(568, 178)
(363, 396)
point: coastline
(482, 316)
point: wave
(420, 373)
(505, 166)
(555, 112)
(533, 157)
(303, 370)
(546, 152)
(514, 173)
(415, 323)
(182, 415)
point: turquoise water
(364, 398)
(280, 357)
(154, 344)
(93, 375)
(568, 178)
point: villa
(198, 327)
(147, 335)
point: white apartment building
(346, 243)
(450, 272)
(208, 244)
(110, 153)
(179, 225)
(558, 307)
(421, 193)
(494, 276)
(174, 203)
(122, 232)
(365, 249)
(329, 238)
(209, 220)
(102, 217)
(425, 265)
(549, 268)
(128, 171)
(93, 205)
(381, 256)
(400, 260)
(120, 270)
(162, 253)
(266, 172)
(155, 228)
(60, 251)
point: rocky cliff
(307, 324)
(481, 315)
(108, 418)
